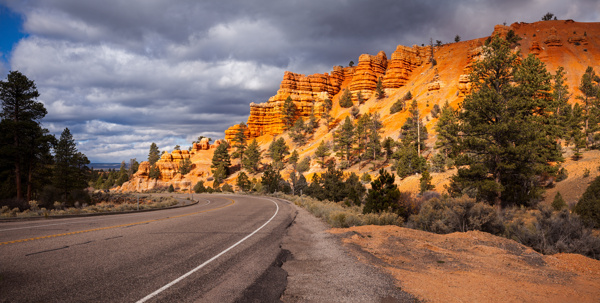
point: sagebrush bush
(555, 232)
(446, 215)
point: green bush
(171, 188)
(588, 207)
(558, 203)
(199, 187)
(227, 188)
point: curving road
(208, 252)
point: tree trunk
(18, 169)
(29, 186)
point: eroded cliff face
(572, 45)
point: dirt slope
(473, 266)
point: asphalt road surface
(209, 252)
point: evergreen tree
(134, 165)
(360, 98)
(123, 176)
(588, 206)
(379, 89)
(409, 162)
(312, 123)
(70, 168)
(374, 143)
(289, 112)
(507, 140)
(413, 132)
(154, 172)
(383, 195)
(344, 139)
(590, 88)
(322, 153)
(362, 136)
(252, 156)
(425, 182)
(154, 154)
(327, 106)
(297, 132)
(346, 99)
(447, 129)
(271, 180)
(239, 142)
(36, 143)
(300, 185)
(199, 187)
(294, 157)
(243, 182)
(457, 38)
(558, 203)
(221, 163)
(20, 116)
(277, 152)
(185, 166)
(354, 190)
(303, 165)
(333, 184)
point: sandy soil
(473, 266)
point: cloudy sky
(121, 74)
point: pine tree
(154, 154)
(322, 153)
(413, 132)
(70, 168)
(327, 106)
(379, 89)
(362, 136)
(297, 132)
(344, 139)
(590, 88)
(221, 163)
(447, 129)
(507, 140)
(346, 99)
(360, 98)
(303, 165)
(243, 182)
(123, 176)
(294, 157)
(271, 179)
(289, 112)
(252, 156)
(383, 195)
(154, 172)
(239, 142)
(277, 152)
(425, 182)
(185, 166)
(558, 203)
(374, 144)
(20, 116)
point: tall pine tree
(70, 166)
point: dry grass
(338, 215)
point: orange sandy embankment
(473, 266)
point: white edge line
(158, 291)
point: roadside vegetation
(99, 203)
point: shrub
(346, 99)
(397, 106)
(555, 232)
(171, 188)
(227, 188)
(365, 178)
(588, 207)
(199, 187)
(586, 172)
(446, 215)
(563, 174)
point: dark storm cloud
(124, 74)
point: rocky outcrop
(404, 60)
(553, 39)
(464, 80)
(368, 71)
(308, 94)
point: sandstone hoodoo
(433, 75)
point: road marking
(114, 226)
(158, 291)
(80, 221)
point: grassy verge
(339, 215)
(146, 202)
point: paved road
(134, 257)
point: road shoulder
(321, 269)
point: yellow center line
(115, 226)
